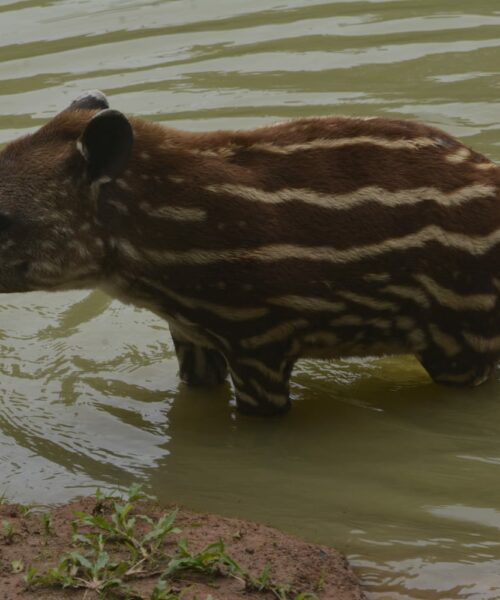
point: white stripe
(307, 303)
(123, 184)
(483, 344)
(174, 213)
(405, 323)
(124, 246)
(459, 156)
(475, 245)
(330, 144)
(321, 337)
(42, 268)
(368, 301)
(262, 368)
(230, 313)
(246, 398)
(446, 342)
(355, 320)
(451, 299)
(408, 293)
(380, 323)
(120, 207)
(236, 380)
(305, 122)
(219, 152)
(417, 339)
(186, 331)
(360, 196)
(486, 166)
(82, 150)
(278, 399)
(377, 277)
(347, 320)
(275, 334)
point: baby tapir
(320, 237)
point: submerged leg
(465, 369)
(199, 366)
(261, 384)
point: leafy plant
(8, 531)
(121, 528)
(17, 566)
(31, 576)
(162, 591)
(115, 545)
(212, 560)
(47, 524)
(24, 509)
(265, 583)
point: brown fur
(255, 274)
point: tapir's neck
(163, 203)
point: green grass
(116, 545)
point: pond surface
(397, 473)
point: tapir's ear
(106, 144)
(90, 100)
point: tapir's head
(50, 231)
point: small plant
(115, 545)
(30, 576)
(264, 580)
(17, 566)
(47, 524)
(24, 509)
(212, 560)
(162, 591)
(320, 585)
(96, 571)
(8, 531)
(91, 566)
(264, 583)
(121, 528)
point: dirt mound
(267, 559)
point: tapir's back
(319, 204)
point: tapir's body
(318, 237)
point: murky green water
(402, 476)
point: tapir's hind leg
(464, 369)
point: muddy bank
(267, 559)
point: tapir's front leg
(261, 383)
(198, 365)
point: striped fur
(319, 237)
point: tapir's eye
(5, 222)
